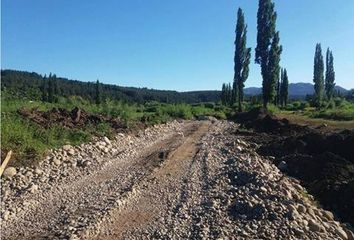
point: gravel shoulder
(182, 180)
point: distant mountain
(296, 90)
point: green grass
(30, 142)
(338, 109)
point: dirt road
(188, 180)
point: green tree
(98, 93)
(318, 77)
(242, 57)
(284, 88)
(274, 67)
(50, 88)
(44, 89)
(267, 50)
(330, 75)
(234, 93)
(278, 95)
(223, 94)
(55, 89)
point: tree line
(50, 88)
(268, 51)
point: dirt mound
(261, 120)
(69, 119)
(313, 143)
(323, 163)
(327, 176)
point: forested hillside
(22, 84)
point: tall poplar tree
(274, 67)
(242, 57)
(318, 77)
(268, 50)
(284, 88)
(330, 75)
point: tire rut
(143, 209)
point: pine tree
(318, 78)
(50, 89)
(55, 88)
(44, 89)
(98, 93)
(242, 57)
(330, 75)
(268, 50)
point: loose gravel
(182, 180)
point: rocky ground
(182, 180)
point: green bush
(29, 141)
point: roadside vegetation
(30, 141)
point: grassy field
(30, 141)
(337, 114)
(303, 119)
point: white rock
(328, 215)
(33, 188)
(67, 147)
(38, 171)
(6, 215)
(71, 151)
(56, 161)
(9, 172)
(107, 140)
(315, 226)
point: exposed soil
(323, 160)
(69, 119)
(261, 120)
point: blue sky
(180, 45)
